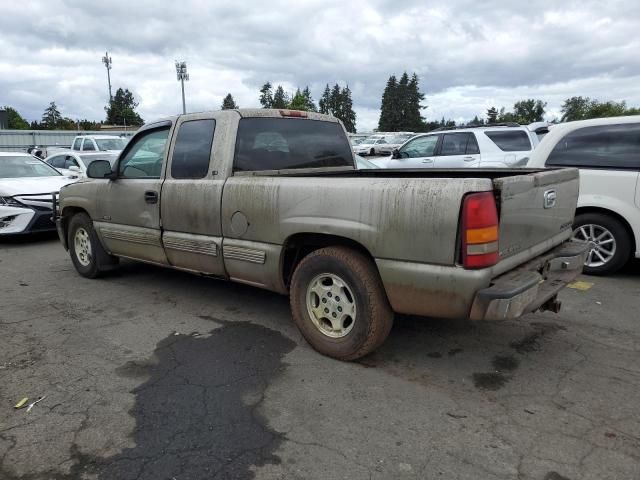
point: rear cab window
(193, 149)
(510, 140)
(76, 144)
(290, 143)
(602, 146)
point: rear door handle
(150, 196)
(469, 159)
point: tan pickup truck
(271, 198)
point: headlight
(10, 202)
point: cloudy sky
(468, 54)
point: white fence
(20, 140)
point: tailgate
(535, 207)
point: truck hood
(30, 185)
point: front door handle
(469, 159)
(150, 196)
(427, 160)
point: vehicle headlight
(10, 202)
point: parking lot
(156, 374)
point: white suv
(495, 146)
(607, 152)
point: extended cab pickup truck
(271, 198)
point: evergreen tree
(280, 98)
(402, 101)
(348, 116)
(492, 115)
(335, 102)
(325, 100)
(389, 118)
(476, 122)
(266, 96)
(310, 105)
(413, 121)
(121, 110)
(51, 117)
(15, 120)
(228, 103)
(529, 111)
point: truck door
(191, 198)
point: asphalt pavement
(150, 373)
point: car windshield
(371, 140)
(23, 166)
(398, 140)
(111, 143)
(89, 159)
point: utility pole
(181, 73)
(107, 63)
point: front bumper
(15, 221)
(532, 286)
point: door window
(420, 147)
(57, 161)
(455, 143)
(88, 145)
(603, 146)
(193, 149)
(143, 158)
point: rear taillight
(293, 113)
(479, 230)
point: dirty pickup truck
(271, 198)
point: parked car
(607, 152)
(496, 146)
(26, 188)
(371, 145)
(73, 163)
(271, 198)
(392, 143)
(98, 143)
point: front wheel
(87, 254)
(372, 152)
(609, 242)
(339, 304)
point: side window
(612, 146)
(381, 141)
(144, 155)
(420, 147)
(193, 149)
(272, 143)
(88, 145)
(57, 161)
(454, 143)
(76, 144)
(69, 161)
(472, 145)
(510, 140)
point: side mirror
(100, 169)
(73, 168)
(395, 154)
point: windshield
(111, 143)
(18, 167)
(371, 140)
(398, 140)
(89, 159)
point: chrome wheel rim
(602, 243)
(331, 305)
(82, 247)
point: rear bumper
(531, 286)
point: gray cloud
(468, 54)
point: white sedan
(26, 188)
(73, 163)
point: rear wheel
(339, 304)
(87, 254)
(609, 242)
(372, 151)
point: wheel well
(613, 214)
(67, 213)
(298, 246)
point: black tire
(620, 235)
(97, 260)
(372, 152)
(373, 318)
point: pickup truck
(271, 198)
(98, 143)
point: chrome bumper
(532, 286)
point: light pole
(107, 63)
(181, 73)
